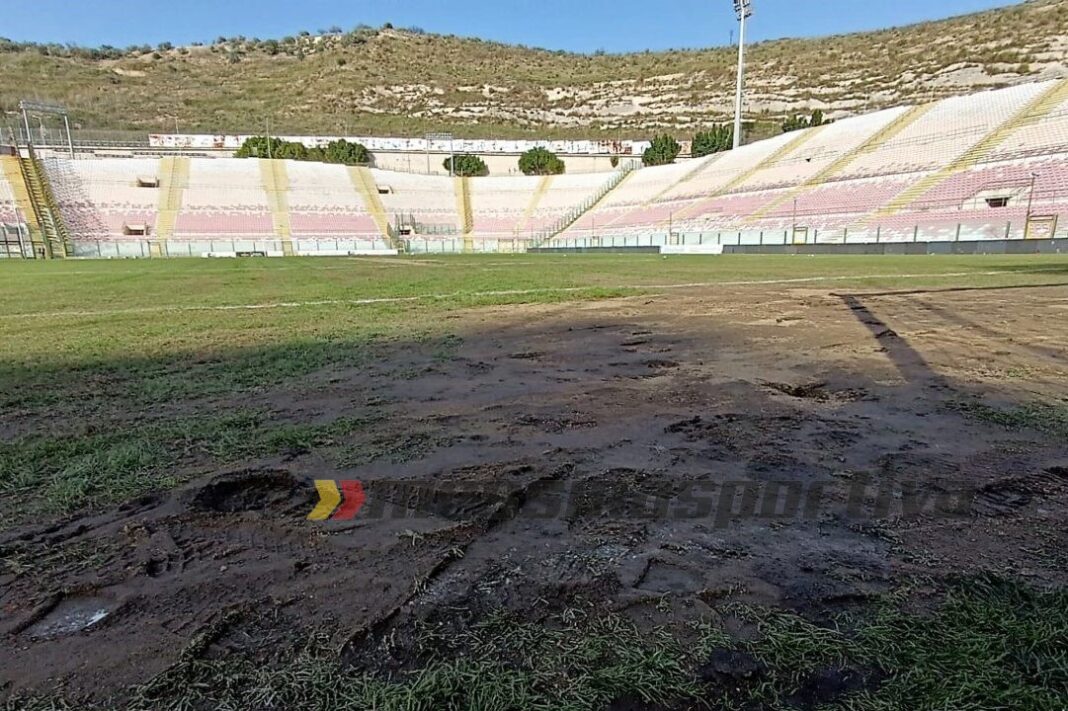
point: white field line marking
(369, 261)
(506, 292)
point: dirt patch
(541, 467)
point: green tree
(541, 161)
(466, 166)
(260, 147)
(341, 151)
(664, 150)
(291, 150)
(715, 140)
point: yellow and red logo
(338, 500)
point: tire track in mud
(492, 511)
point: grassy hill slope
(389, 81)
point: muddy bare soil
(578, 455)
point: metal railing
(843, 240)
(846, 236)
(582, 208)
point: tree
(467, 166)
(796, 123)
(341, 151)
(715, 140)
(292, 150)
(260, 147)
(541, 161)
(664, 150)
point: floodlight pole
(744, 10)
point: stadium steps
(173, 180)
(462, 188)
(803, 138)
(1034, 110)
(874, 142)
(276, 184)
(10, 165)
(55, 230)
(535, 200)
(702, 163)
(617, 179)
(53, 235)
(364, 181)
(656, 198)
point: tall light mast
(744, 10)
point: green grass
(987, 644)
(129, 308)
(146, 332)
(61, 473)
(112, 374)
(1044, 417)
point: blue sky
(580, 25)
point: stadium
(338, 420)
(980, 173)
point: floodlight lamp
(743, 8)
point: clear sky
(580, 25)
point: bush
(260, 147)
(663, 151)
(291, 150)
(715, 140)
(541, 161)
(796, 123)
(467, 166)
(340, 151)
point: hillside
(390, 81)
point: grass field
(121, 380)
(151, 344)
(81, 313)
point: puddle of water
(71, 615)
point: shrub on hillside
(541, 161)
(664, 150)
(796, 123)
(466, 166)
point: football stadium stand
(990, 166)
(13, 231)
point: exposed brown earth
(564, 446)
